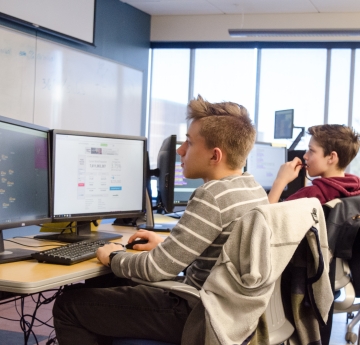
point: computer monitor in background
(284, 124)
(25, 180)
(96, 176)
(165, 173)
(166, 179)
(183, 187)
(264, 161)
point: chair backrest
(259, 248)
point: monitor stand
(83, 233)
(13, 254)
(150, 225)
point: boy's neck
(334, 173)
(222, 173)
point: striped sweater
(196, 241)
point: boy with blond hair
(331, 150)
(219, 139)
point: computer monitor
(183, 187)
(284, 124)
(166, 179)
(165, 174)
(96, 176)
(264, 161)
(25, 180)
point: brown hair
(339, 138)
(226, 125)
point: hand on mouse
(152, 238)
(103, 252)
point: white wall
(212, 28)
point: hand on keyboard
(103, 253)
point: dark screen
(24, 185)
(284, 124)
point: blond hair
(226, 125)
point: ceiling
(207, 7)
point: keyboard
(71, 253)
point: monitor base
(73, 237)
(15, 254)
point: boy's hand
(152, 238)
(103, 252)
(287, 173)
(290, 170)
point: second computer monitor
(97, 176)
(264, 161)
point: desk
(29, 276)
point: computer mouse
(131, 245)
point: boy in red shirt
(331, 149)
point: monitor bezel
(45, 219)
(101, 215)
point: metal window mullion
(351, 88)
(191, 74)
(257, 89)
(327, 85)
(149, 95)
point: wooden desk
(30, 276)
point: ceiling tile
(174, 7)
(263, 6)
(344, 6)
(198, 7)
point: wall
(213, 28)
(122, 34)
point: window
(226, 75)
(339, 86)
(355, 165)
(169, 97)
(291, 79)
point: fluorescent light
(293, 32)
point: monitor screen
(264, 161)
(284, 123)
(97, 176)
(25, 179)
(183, 187)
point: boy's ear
(333, 158)
(217, 155)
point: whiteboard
(17, 75)
(79, 91)
(55, 86)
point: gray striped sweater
(196, 241)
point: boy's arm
(287, 173)
(196, 230)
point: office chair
(271, 231)
(347, 305)
(343, 223)
(279, 328)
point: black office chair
(343, 223)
